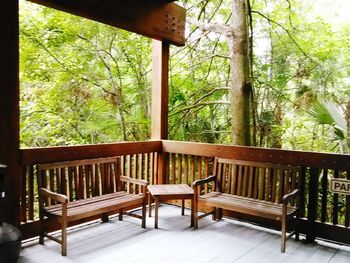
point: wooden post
(160, 72)
(9, 106)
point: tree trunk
(240, 73)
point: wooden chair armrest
(55, 196)
(133, 180)
(288, 197)
(210, 178)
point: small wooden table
(163, 192)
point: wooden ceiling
(157, 19)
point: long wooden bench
(74, 190)
(258, 189)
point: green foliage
(327, 113)
(83, 82)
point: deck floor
(215, 241)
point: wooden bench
(258, 189)
(83, 189)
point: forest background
(83, 82)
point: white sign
(340, 186)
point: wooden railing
(138, 160)
(324, 214)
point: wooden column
(160, 75)
(9, 106)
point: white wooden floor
(175, 241)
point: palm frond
(327, 113)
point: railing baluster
(173, 168)
(234, 181)
(146, 174)
(152, 170)
(199, 167)
(70, 183)
(192, 169)
(119, 168)
(31, 193)
(347, 204)
(23, 212)
(179, 170)
(227, 178)
(156, 168)
(313, 202)
(250, 182)
(335, 203)
(122, 165)
(274, 185)
(186, 169)
(324, 195)
(206, 172)
(256, 182)
(135, 170)
(129, 171)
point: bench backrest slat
(263, 181)
(81, 179)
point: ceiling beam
(157, 19)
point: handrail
(68, 153)
(288, 157)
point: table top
(170, 189)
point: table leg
(192, 212)
(183, 207)
(150, 204)
(156, 201)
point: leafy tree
(83, 82)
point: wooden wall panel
(9, 106)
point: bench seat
(113, 202)
(246, 205)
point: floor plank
(215, 241)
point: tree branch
(201, 104)
(288, 33)
(216, 28)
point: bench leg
(183, 207)
(297, 226)
(104, 218)
(284, 228)
(64, 238)
(297, 234)
(195, 214)
(121, 215)
(143, 225)
(192, 212)
(213, 215)
(42, 228)
(283, 237)
(149, 205)
(218, 213)
(156, 199)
